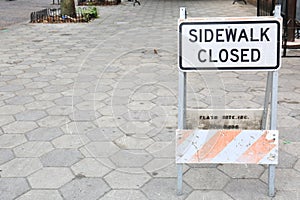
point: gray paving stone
(78, 128)
(33, 149)
(288, 134)
(68, 101)
(284, 195)
(36, 105)
(90, 167)
(101, 149)
(53, 121)
(247, 189)
(208, 195)
(5, 155)
(12, 187)
(90, 105)
(110, 121)
(84, 115)
(127, 178)
(162, 149)
(47, 96)
(292, 148)
(59, 110)
(285, 179)
(19, 127)
(41, 195)
(206, 178)
(124, 194)
(163, 167)
(44, 134)
(131, 158)
(132, 142)
(61, 158)
(104, 134)
(137, 128)
(70, 141)
(5, 119)
(164, 188)
(30, 115)
(50, 178)
(84, 188)
(286, 160)
(11, 140)
(19, 100)
(11, 109)
(11, 88)
(20, 167)
(242, 171)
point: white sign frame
(189, 53)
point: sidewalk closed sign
(230, 44)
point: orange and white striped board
(227, 146)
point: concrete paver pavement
(88, 111)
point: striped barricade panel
(227, 146)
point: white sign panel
(230, 44)
(224, 119)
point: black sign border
(258, 68)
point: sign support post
(181, 110)
(273, 120)
(269, 121)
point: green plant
(89, 12)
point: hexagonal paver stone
(137, 128)
(12, 187)
(33, 149)
(286, 160)
(90, 167)
(285, 179)
(164, 188)
(11, 140)
(143, 96)
(44, 134)
(163, 167)
(84, 189)
(11, 109)
(41, 195)
(242, 171)
(208, 195)
(141, 105)
(104, 134)
(19, 100)
(39, 104)
(124, 194)
(84, 115)
(5, 119)
(5, 155)
(19, 127)
(132, 142)
(30, 115)
(101, 149)
(61, 158)
(50, 177)
(53, 121)
(70, 141)
(247, 189)
(206, 178)
(127, 178)
(162, 149)
(131, 158)
(286, 194)
(20, 167)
